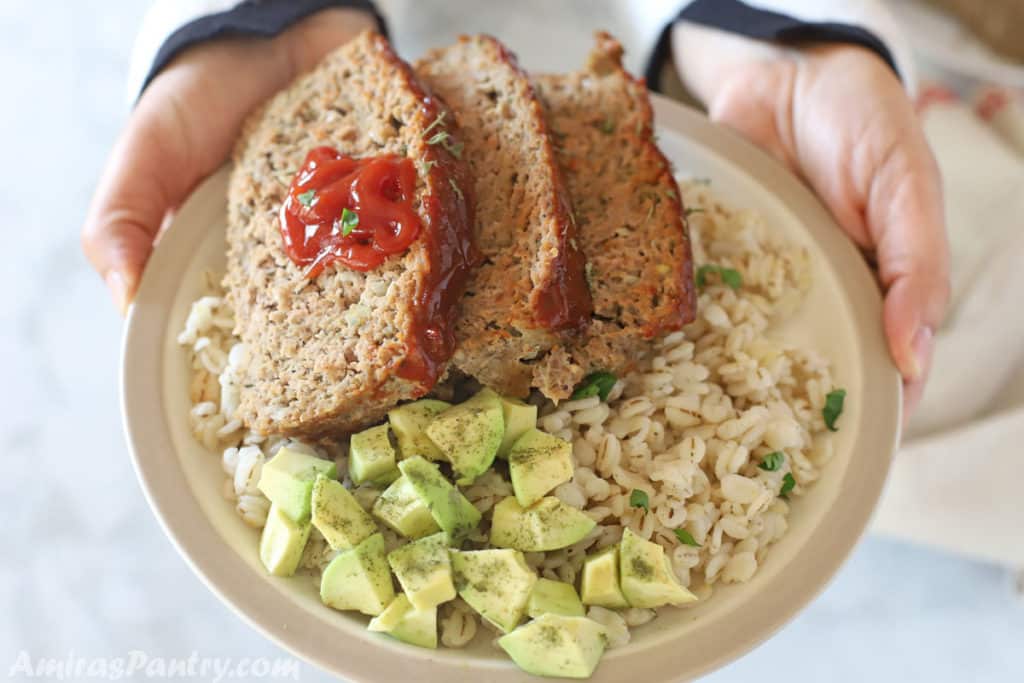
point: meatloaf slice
(530, 290)
(631, 222)
(333, 353)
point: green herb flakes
(638, 499)
(772, 461)
(729, 276)
(788, 482)
(306, 198)
(349, 221)
(607, 126)
(686, 538)
(690, 210)
(833, 408)
(595, 384)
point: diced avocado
(600, 583)
(359, 579)
(519, 418)
(372, 458)
(537, 463)
(338, 516)
(469, 434)
(402, 509)
(548, 524)
(282, 542)
(556, 645)
(496, 583)
(408, 624)
(287, 480)
(647, 578)
(424, 571)
(409, 421)
(555, 597)
(451, 510)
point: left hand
(838, 117)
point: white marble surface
(84, 567)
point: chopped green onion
(349, 220)
(833, 408)
(729, 276)
(788, 482)
(595, 384)
(306, 198)
(638, 499)
(686, 538)
(772, 461)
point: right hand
(183, 129)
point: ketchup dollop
(354, 211)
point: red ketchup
(354, 211)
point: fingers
(182, 130)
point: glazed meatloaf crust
(332, 354)
(631, 223)
(531, 290)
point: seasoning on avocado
(595, 384)
(833, 408)
(638, 499)
(772, 461)
(729, 276)
(686, 538)
(306, 198)
(349, 220)
(788, 482)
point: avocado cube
(537, 463)
(646, 576)
(282, 542)
(372, 458)
(469, 434)
(557, 645)
(338, 516)
(287, 480)
(519, 418)
(600, 583)
(450, 509)
(409, 421)
(554, 597)
(548, 524)
(424, 570)
(359, 579)
(496, 583)
(402, 509)
(403, 621)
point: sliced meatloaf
(530, 291)
(332, 354)
(631, 223)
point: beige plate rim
(768, 603)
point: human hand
(839, 118)
(183, 129)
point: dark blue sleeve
(255, 18)
(738, 17)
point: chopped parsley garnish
(690, 210)
(349, 220)
(638, 499)
(455, 187)
(434, 124)
(729, 276)
(788, 482)
(306, 198)
(595, 384)
(686, 538)
(833, 408)
(443, 138)
(772, 461)
(608, 126)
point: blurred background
(934, 593)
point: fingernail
(118, 290)
(921, 351)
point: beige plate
(842, 318)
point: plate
(841, 315)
